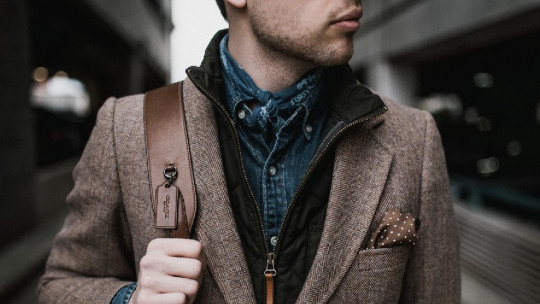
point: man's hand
(170, 272)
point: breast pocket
(376, 276)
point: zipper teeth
(316, 162)
(237, 142)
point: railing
(501, 252)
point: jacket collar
(348, 99)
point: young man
(305, 179)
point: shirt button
(241, 114)
(273, 241)
(309, 128)
(272, 170)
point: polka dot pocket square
(396, 229)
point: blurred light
(40, 74)
(471, 115)
(484, 124)
(487, 166)
(439, 103)
(483, 80)
(514, 148)
(61, 94)
(61, 74)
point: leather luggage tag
(167, 206)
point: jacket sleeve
(432, 274)
(91, 258)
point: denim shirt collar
(274, 109)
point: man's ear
(237, 3)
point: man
(310, 187)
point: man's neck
(270, 70)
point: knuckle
(155, 244)
(144, 298)
(197, 248)
(196, 286)
(197, 264)
(194, 248)
(147, 262)
(147, 282)
(197, 268)
(192, 287)
(181, 298)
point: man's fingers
(176, 247)
(170, 272)
(165, 284)
(173, 266)
(184, 268)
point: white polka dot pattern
(396, 229)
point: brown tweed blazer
(393, 162)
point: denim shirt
(278, 137)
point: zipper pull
(270, 269)
(269, 273)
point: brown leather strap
(167, 143)
(269, 288)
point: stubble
(312, 46)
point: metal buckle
(170, 172)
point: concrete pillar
(136, 72)
(396, 81)
(16, 123)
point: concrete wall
(395, 34)
(136, 22)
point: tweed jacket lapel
(360, 172)
(215, 226)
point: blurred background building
(59, 61)
(473, 64)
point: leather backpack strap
(168, 157)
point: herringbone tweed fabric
(393, 162)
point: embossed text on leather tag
(167, 207)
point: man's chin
(336, 57)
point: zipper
(238, 149)
(271, 256)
